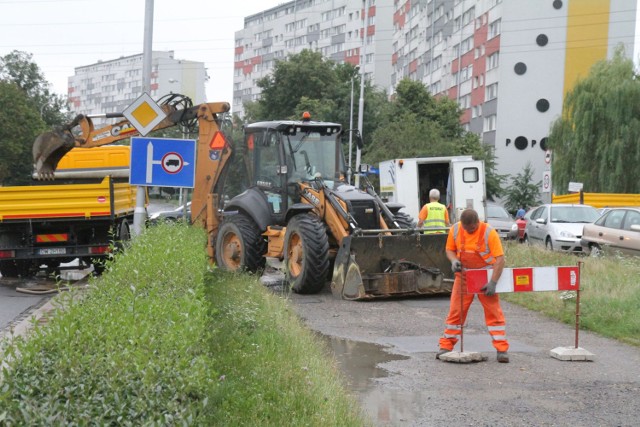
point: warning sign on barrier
(526, 279)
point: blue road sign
(161, 162)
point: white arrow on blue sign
(162, 162)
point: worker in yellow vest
(434, 214)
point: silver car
(617, 229)
(559, 226)
(502, 222)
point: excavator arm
(213, 153)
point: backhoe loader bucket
(381, 266)
(48, 149)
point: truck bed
(66, 201)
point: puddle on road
(359, 362)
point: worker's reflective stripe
(456, 327)
(482, 247)
(496, 328)
(451, 335)
(499, 337)
(486, 254)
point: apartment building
(332, 27)
(508, 63)
(111, 86)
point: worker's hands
(456, 266)
(490, 288)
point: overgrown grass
(609, 296)
(153, 343)
(274, 371)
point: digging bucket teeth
(383, 266)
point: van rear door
(466, 187)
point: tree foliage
(417, 124)
(597, 139)
(18, 67)
(29, 108)
(19, 126)
(306, 74)
(522, 193)
(413, 124)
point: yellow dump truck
(81, 213)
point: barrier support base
(571, 354)
(463, 357)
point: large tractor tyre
(306, 254)
(8, 269)
(240, 245)
(404, 220)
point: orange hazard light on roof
(218, 142)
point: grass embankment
(609, 296)
(158, 340)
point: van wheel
(306, 254)
(240, 245)
(548, 244)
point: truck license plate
(52, 251)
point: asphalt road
(16, 306)
(533, 390)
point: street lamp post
(349, 171)
(363, 60)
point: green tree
(306, 74)
(522, 193)
(596, 140)
(19, 126)
(18, 67)
(30, 108)
(417, 124)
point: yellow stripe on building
(587, 38)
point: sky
(65, 34)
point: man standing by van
(434, 213)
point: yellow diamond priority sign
(144, 114)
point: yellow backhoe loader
(298, 208)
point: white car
(559, 226)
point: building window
(492, 61)
(476, 111)
(491, 92)
(494, 28)
(489, 123)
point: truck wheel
(404, 220)
(306, 254)
(8, 269)
(123, 236)
(99, 265)
(240, 245)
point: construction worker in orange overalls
(472, 244)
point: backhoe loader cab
(300, 210)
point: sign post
(144, 114)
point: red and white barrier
(526, 279)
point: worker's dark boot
(503, 357)
(441, 352)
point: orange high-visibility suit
(477, 250)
